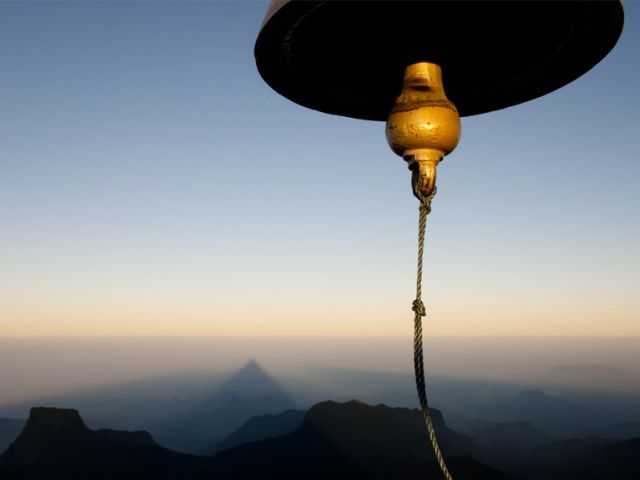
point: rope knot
(419, 308)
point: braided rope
(418, 361)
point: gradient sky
(152, 184)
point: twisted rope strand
(418, 360)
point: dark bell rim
(593, 42)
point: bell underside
(348, 58)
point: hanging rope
(418, 362)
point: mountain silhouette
(584, 459)
(351, 439)
(263, 426)
(10, 428)
(56, 444)
(355, 440)
(370, 433)
(622, 431)
(506, 445)
(558, 415)
(60, 436)
(247, 393)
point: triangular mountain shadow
(248, 392)
(253, 379)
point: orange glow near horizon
(478, 316)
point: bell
(352, 58)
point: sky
(151, 184)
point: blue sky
(152, 183)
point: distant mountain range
(195, 411)
(351, 439)
(346, 440)
(507, 444)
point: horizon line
(266, 337)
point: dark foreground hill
(56, 443)
(355, 440)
